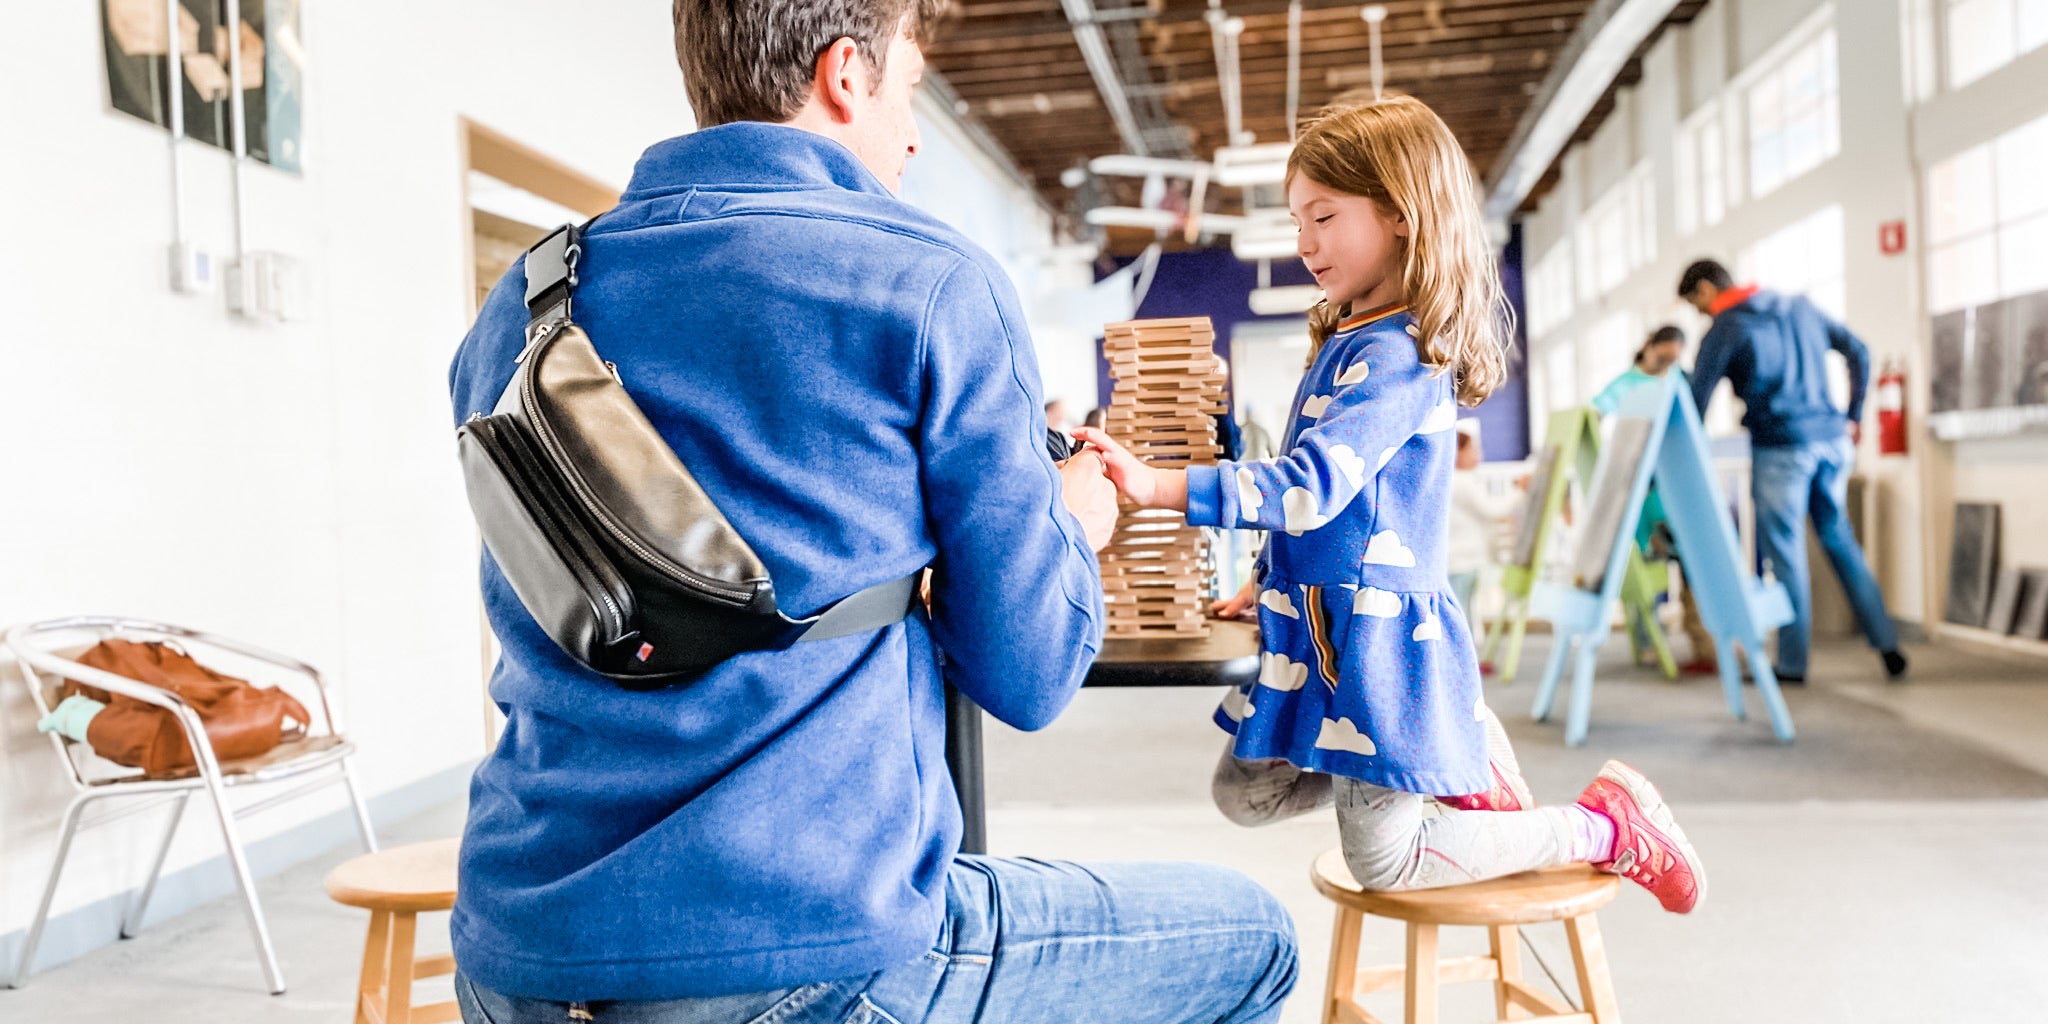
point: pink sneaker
(1649, 847)
(1509, 793)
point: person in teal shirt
(1654, 360)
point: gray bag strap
(883, 604)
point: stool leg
(1342, 986)
(1589, 955)
(1507, 953)
(376, 951)
(1421, 977)
(398, 983)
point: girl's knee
(1381, 873)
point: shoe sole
(1652, 805)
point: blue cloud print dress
(1367, 669)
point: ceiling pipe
(1223, 33)
(1374, 15)
(1609, 33)
(1095, 53)
(1293, 70)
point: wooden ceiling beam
(1400, 17)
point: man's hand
(1090, 497)
(1855, 431)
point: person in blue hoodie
(852, 383)
(1773, 349)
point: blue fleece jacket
(1773, 349)
(851, 382)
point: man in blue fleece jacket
(851, 382)
(1773, 348)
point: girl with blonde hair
(1369, 693)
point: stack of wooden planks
(1168, 391)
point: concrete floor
(1886, 867)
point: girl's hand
(1240, 606)
(1151, 488)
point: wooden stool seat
(1569, 894)
(395, 886)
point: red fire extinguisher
(1891, 410)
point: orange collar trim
(1731, 298)
(1355, 322)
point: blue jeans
(1790, 484)
(1025, 942)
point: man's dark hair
(1709, 271)
(753, 60)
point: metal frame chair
(323, 761)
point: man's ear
(839, 79)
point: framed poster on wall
(137, 43)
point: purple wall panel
(1216, 284)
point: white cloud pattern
(1314, 406)
(1432, 628)
(1443, 417)
(1354, 374)
(1479, 709)
(1385, 548)
(1280, 602)
(1249, 498)
(1279, 672)
(1341, 734)
(1348, 463)
(1237, 705)
(1386, 457)
(1379, 604)
(1303, 514)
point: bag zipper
(590, 573)
(718, 590)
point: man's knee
(1269, 940)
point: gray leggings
(1395, 840)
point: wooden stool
(396, 886)
(1570, 894)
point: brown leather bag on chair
(242, 720)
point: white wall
(2011, 471)
(294, 484)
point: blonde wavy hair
(1398, 153)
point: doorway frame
(483, 149)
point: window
(1617, 234)
(1794, 115)
(1985, 35)
(1702, 171)
(1607, 351)
(1804, 257)
(1561, 377)
(1987, 221)
(1550, 289)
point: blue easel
(1657, 434)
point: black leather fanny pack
(602, 532)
